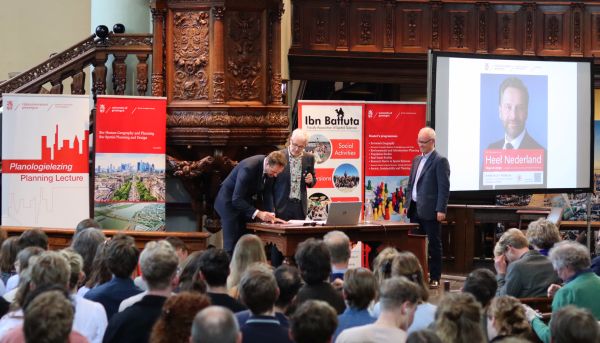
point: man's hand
(530, 313)
(500, 264)
(337, 284)
(441, 216)
(269, 217)
(552, 289)
(308, 178)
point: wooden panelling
(553, 31)
(366, 26)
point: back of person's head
(360, 288)
(33, 238)
(99, 272)
(248, 250)
(50, 268)
(509, 317)
(314, 321)
(514, 238)
(180, 247)
(423, 336)
(175, 321)
(214, 265)
(85, 224)
(86, 243)
(397, 290)
(189, 278)
(75, 264)
(158, 263)
(26, 254)
(458, 319)
(258, 289)
(48, 318)
(276, 158)
(338, 244)
(382, 264)
(289, 283)
(406, 264)
(542, 233)
(122, 255)
(482, 284)
(570, 254)
(8, 254)
(313, 260)
(215, 324)
(574, 325)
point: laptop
(343, 213)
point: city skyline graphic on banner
(56, 156)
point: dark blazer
(281, 188)
(527, 143)
(241, 187)
(135, 323)
(433, 186)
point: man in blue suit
(250, 180)
(427, 198)
(289, 191)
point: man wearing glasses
(427, 198)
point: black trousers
(433, 230)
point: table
(396, 234)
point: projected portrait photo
(320, 147)
(513, 127)
(345, 177)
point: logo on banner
(370, 114)
(102, 108)
(9, 105)
(338, 120)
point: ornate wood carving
(436, 7)
(218, 87)
(482, 34)
(119, 76)
(99, 75)
(141, 80)
(190, 49)
(366, 28)
(296, 28)
(78, 84)
(158, 84)
(388, 41)
(243, 51)
(321, 22)
(342, 37)
(158, 51)
(218, 12)
(577, 46)
(457, 27)
(553, 32)
(234, 118)
(529, 28)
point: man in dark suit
(251, 178)
(289, 191)
(427, 198)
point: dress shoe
(434, 284)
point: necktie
(508, 146)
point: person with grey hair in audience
(574, 325)
(159, 264)
(215, 324)
(259, 291)
(399, 298)
(581, 287)
(340, 249)
(313, 322)
(542, 234)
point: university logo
(9, 105)
(102, 108)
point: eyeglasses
(298, 146)
(424, 142)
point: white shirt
(10, 320)
(12, 283)
(131, 300)
(418, 174)
(516, 143)
(90, 319)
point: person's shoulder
(497, 144)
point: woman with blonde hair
(506, 318)
(248, 250)
(457, 319)
(382, 264)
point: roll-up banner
(129, 185)
(335, 131)
(391, 131)
(45, 153)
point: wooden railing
(92, 51)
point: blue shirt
(111, 293)
(352, 317)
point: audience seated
(100, 273)
(289, 282)
(424, 336)
(248, 250)
(121, 258)
(398, 298)
(215, 324)
(158, 262)
(189, 277)
(521, 272)
(313, 322)
(8, 256)
(29, 238)
(360, 289)
(340, 249)
(181, 249)
(382, 264)
(24, 259)
(457, 319)
(574, 325)
(506, 318)
(581, 288)
(90, 317)
(481, 283)
(214, 269)
(86, 244)
(314, 262)
(85, 224)
(175, 321)
(542, 234)
(258, 290)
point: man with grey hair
(581, 287)
(158, 262)
(340, 249)
(398, 298)
(215, 324)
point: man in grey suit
(289, 190)
(427, 198)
